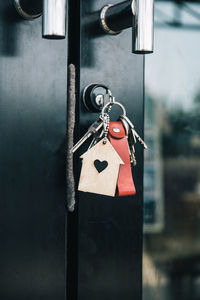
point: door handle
(54, 19)
(53, 11)
(138, 14)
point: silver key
(132, 137)
(133, 159)
(131, 147)
(133, 131)
(99, 137)
(132, 141)
(132, 154)
(92, 129)
(126, 126)
(96, 139)
(92, 143)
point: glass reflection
(171, 259)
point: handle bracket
(28, 10)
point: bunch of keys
(131, 134)
(107, 162)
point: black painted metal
(104, 234)
(33, 76)
(72, 220)
(109, 249)
(120, 16)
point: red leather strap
(118, 140)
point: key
(130, 144)
(132, 154)
(97, 137)
(92, 129)
(132, 141)
(133, 159)
(133, 131)
(106, 121)
(131, 137)
(126, 126)
(92, 143)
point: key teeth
(134, 163)
(134, 133)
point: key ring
(110, 104)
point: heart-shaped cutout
(100, 165)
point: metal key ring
(109, 104)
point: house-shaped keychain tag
(100, 168)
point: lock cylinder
(54, 19)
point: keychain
(106, 165)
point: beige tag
(100, 168)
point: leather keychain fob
(118, 140)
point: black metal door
(109, 250)
(104, 235)
(32, 162)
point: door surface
(109, 229)
(32, 161)
(103, 256)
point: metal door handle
(54, 15)
(138, 14)
(53, 11)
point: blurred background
(171, 258)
